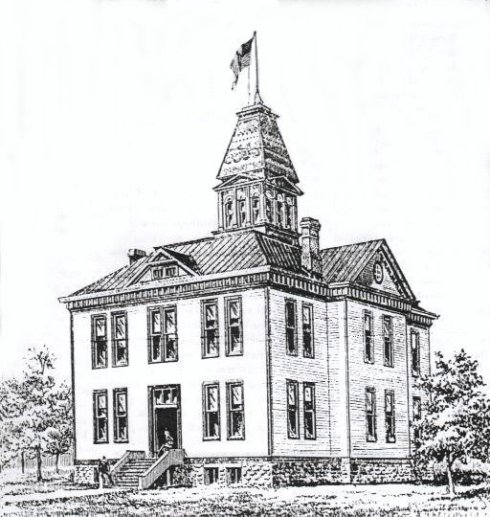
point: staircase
(129, 473)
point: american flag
(241, 60)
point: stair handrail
(171, 457)
(124, 459)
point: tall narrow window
(120, 405)
(291, 341)
(101, 434)
(371, 415)
(210, 329)
(368, 338)
(388, 340)
(162, 339)
(390, 415)
(242, 212)
(119, 339)
(268, 210)
(236, 411)
(228, 213)
(280, 213)
(308, 347)
(255, 209)
(211, 424)
(234, 333)
(292, 409)
(309, 410)
(417, 415)
(415, 352)
(99, 341)
(289, 215)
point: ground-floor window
(211, 412)
(309, 410)
(233, 475)
(292, 409)
(371, 415)
(100, 416)
(120, 405)
(390, 415)
(236, 411)
(211, 475)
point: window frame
(415, 367)
(94, 341)
(116, 416)
(115, 340)
(291, 302)
(229, 410)
(163, 335)
(204, 343)
(96, 395)
(295, 385)
(207, 477)
(228, 337)
(205, 386)
(255, 210)
(229, 475)
(310, 307)
(368, 337)
(371, 437)
(416, 415)
(241, 212)
(312, 411)
(388, 339)
(390, 416)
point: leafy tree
(455, 423)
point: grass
(338, 501)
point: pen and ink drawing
(250, 358)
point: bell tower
(258, 183)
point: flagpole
(257, 90)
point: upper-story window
(268, 209)
(242, 212)
(255, 208)
(368, 337)
(280, 212)
(119, 339)
(291, 341)
(415, 352)
(99, 341)
(163, 340)
(210, 328)
(371, 415)
(417, 415)
(171, 271)
(308, 343)
(235, 410)
(390, 415)
(120, 405)
(228, 213)
(100, 416)
(234, 331)
(309, 410)
(289, 215)
(388, 340)
(211, 413)
(292, 409)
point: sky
(115, 116)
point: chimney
(310, 245)
(135, 255)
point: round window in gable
(378, 272)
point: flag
(241, 60)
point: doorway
(165, 419)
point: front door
(165, 421)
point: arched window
(280, 213)
(242, 212)
(228, 213)
(255, 208)
(268, 209)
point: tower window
(280, 213)
(268, 209)
(228, 213)
(242, 212)
(255, 209)
(289, 215)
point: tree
(455, 423)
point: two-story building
(251, 355)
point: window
(291, 343)
(368, 338)
(234, 338)
(163, 341)
(119, 339)
(390, 415)
(100, 417)
(157, 273)
(280, 213)
(242, 212)
(289, 215)
(211, 475)
(388, 340)
(371, 415)
(170, 271)
(308, 348)
(268, 210)
(292, 408)
(415, 352)
(309, 411)
(99, 341)
(255, 209)
(211, 412)
(210, 329)
(417, 415)
(236, 413)
(228, 213)
(120, 405)
(233, 475)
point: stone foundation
(313, 471)
(86, 475)
(364, 471)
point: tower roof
(256, 148)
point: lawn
(358, 501)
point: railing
(127, 456)
(171, 457)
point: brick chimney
(310, 245)
(135, 255)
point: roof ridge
(352, 244)
(192, 241)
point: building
(252, 355)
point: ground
(22, 496)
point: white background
(115, 115)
